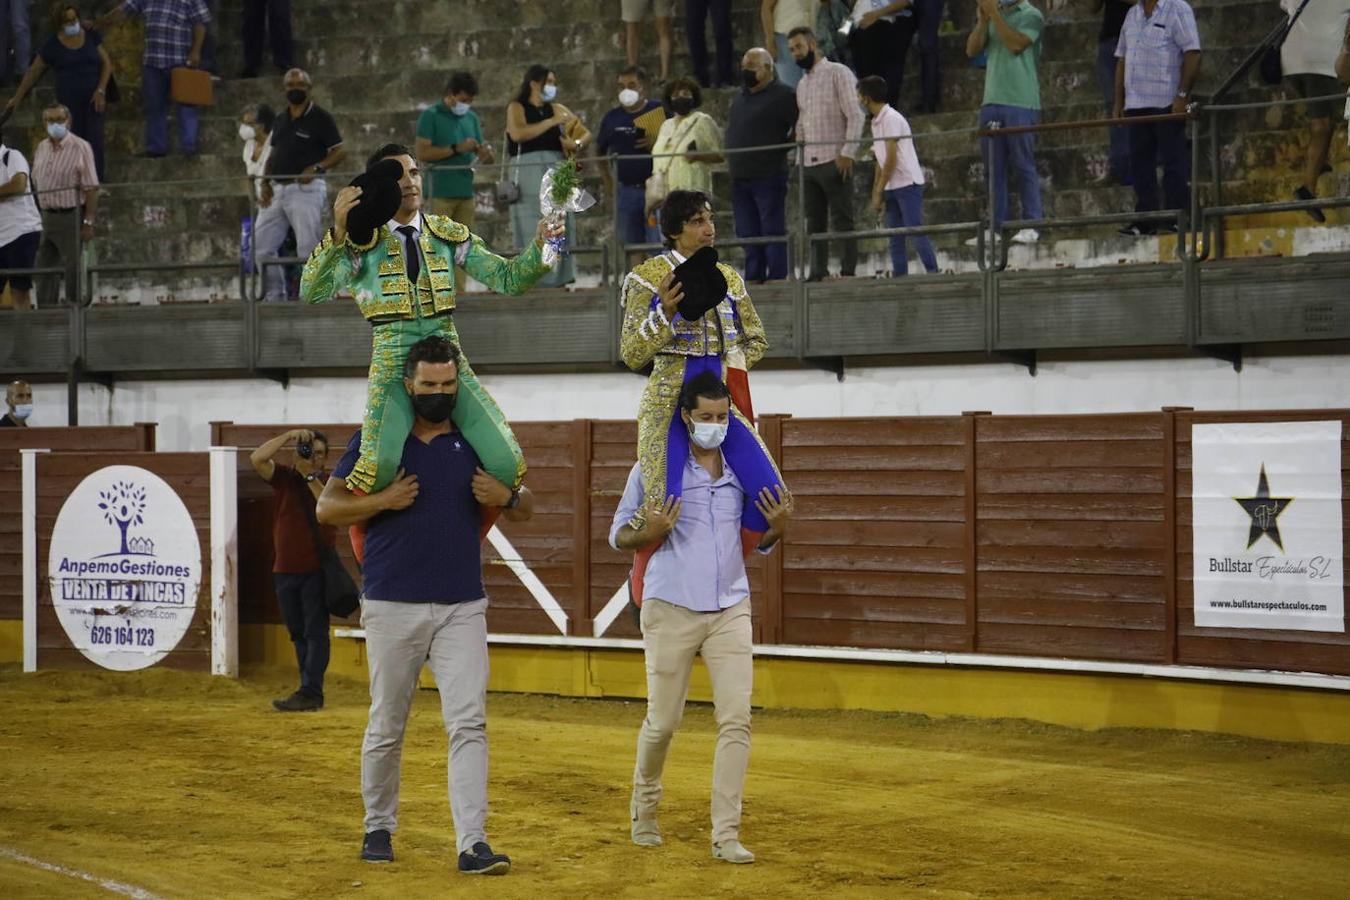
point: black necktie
(412, 260)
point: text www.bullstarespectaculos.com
(1282, 605)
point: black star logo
(1264, 510)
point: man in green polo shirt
(449, 134)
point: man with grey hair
(305, 144)
(19, 404)
(66, 179)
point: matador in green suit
(403, 279)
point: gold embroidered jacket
(378, 278)
(731, 325)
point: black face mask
(749, 78)
(296, 96)
(807, 61)
(435, 408)
(682, 106)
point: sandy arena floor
(188, 786)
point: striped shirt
(1153, 47)
(61, 172)
(168, 28)
(829, 116)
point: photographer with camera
(296, 569)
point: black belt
(68, 209)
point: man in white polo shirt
(20, 225)
(67, 185)
(897, 186)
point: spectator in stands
(67, 185)
(880, 40)
(897, 185)
(1308, 61)
(14, 20)
(274, 18)
(627, 130)
(1157, 62)
(1343, 61)
(928, 21)
(449, 133)
(255, 130)
(305, 144)
(1010, 32)
(830, 17)
(763, 114)
(633, 12)
(780, 18)
(174, 32)
(297, 572)
(696, 24)
(424, 603)
(82, 70)
(20, 225)
(540, 133)
(690, 133)
(829, 123)
(19, 400)
(1113, 17)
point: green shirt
(444, 129)
(1010, 79)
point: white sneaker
(1026, 236)
(975, 242)
(732, 852)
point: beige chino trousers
(671, 636)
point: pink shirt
(888, 125)
(61, 172)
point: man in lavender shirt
(697, 601)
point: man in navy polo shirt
(424, 602)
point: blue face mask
(549, 92)
(709, 435)
(71, 29)
(23, 410)
(459, 109)
(56, 130)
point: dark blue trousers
(759, 206)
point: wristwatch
(318, 169)
(310, 477)
(515, 499)
(89, 222)
(1182, 94)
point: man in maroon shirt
(296, 570)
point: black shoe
(148, 155)
(482, 861)
(815, 276)
(298, 702)
(248, 73)
(378, 847)
(1134, 229)
(1305, 194)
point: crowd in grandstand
(824, 69)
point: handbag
(340, 593)
(657, 186)
(1270, 66)
(508, 189)
(191, 87)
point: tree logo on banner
(128, 608)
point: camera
(304, 449)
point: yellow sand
(191, 786)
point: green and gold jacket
(377, 277)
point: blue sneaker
(378, 847)
(482, 861)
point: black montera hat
(702, 282)
(380, 199)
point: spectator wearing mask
(450, 133)
(829, 123)
(14, 23)
(696, 24)
(881, 35)
(82, 70)
(1308, 61)
(779, 18)
(67, 184)
(897, 185)
(830, 17)
(692, 135)
(19, 400)
(272, 19)
(20, 225)
(1157, 62)
(627, 130)
(174, 33)
(928, 22)
(540, 133)
(1113, 17)
(255, 130)
(305, 144)
(764, 113)
(297, 572)
(633, 12)
(1009, 31)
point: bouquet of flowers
(561, 192)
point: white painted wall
(183, 408)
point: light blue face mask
(23, 410)
(549, 92)
(459, 109)
(57, 130)
(71, 29)
(709, 435)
